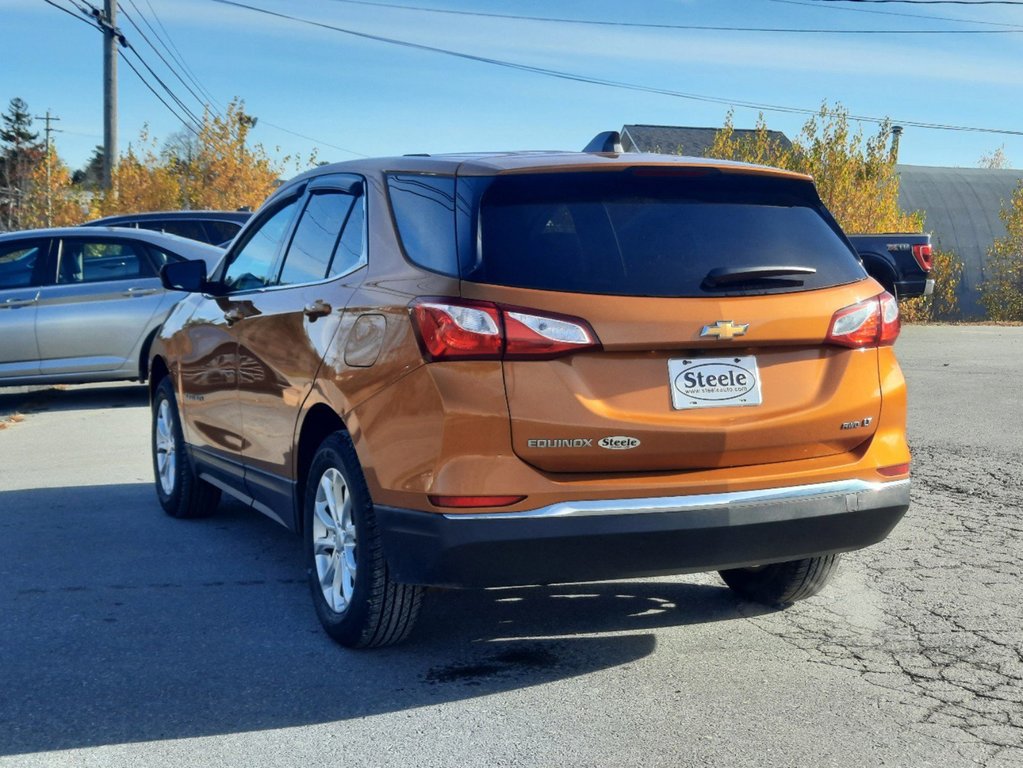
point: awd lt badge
(725, 329)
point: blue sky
(356, 96)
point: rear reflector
(873, 322)
(460, 329)
(895, 470)
(924, 255)
(471, 502)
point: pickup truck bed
(901, 262)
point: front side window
(252, 265)
(316, 238)
(97, 261)
(19, 263)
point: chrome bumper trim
(814, 500)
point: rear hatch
(711, 294)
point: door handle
(318, 308)
(132, 292)
(233, 315)
(15, 303)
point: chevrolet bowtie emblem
(725, 329)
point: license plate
(714, 382)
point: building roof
(961, 207)
(670, 139)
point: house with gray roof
(675, 140)
(961, 206)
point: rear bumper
(626, 538)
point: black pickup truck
(900, 262)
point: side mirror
(187, 276)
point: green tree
(90, 176)
(1002, 292)
(20, 153)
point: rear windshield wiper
(728, 275)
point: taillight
(461, 329)
(869, 323)
(924, 255)
(466, 331)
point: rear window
(653, 232)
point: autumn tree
(213, 169)
(856, 177)
(1002, 291)
(997, 160)
(51, 199)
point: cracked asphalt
(130, 639)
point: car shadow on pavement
(79, 397)
(123, 625)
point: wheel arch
(147, 345)
(881, 270)
(320, 422)
(157, 373)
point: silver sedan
(80, 305)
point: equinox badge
(725, 329)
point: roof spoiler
(608, 141)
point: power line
(170, 67)
(691, 27)
(902, 14)
(184, 122)
(931, 2)
(71, 13)
(172, 50)
(263, 121)
(574, 77)
(174, 97)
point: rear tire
(181, 493)
(356, 601)
(782, 583)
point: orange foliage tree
(214, 169)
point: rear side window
(87, 261)
(424, 212)
(657, 233)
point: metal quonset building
(960, 207)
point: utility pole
(49, 187)
(107, 21)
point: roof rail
(608, 141)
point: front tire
(356, 601)
(181, 493)
(780, 584)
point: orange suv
(526, 368)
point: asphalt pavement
(128, 638)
